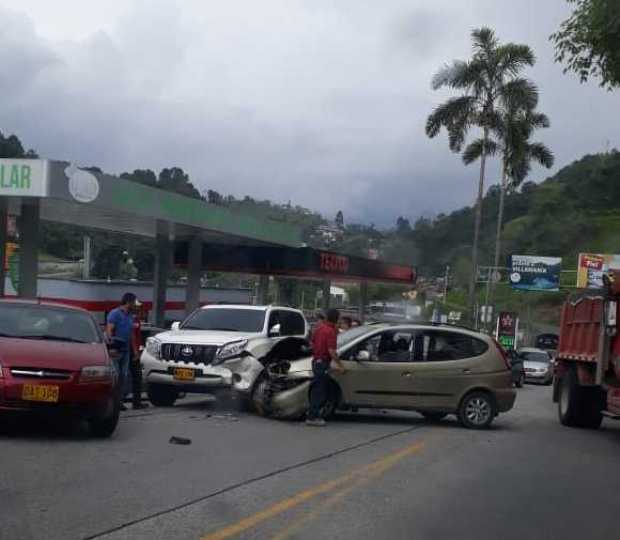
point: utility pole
(445, 283)
(88, 256)
(487, 315)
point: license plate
(40, 392)
(184, 374)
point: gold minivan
(433, 369)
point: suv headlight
(90, 374)
(230, 350)
(153, 346)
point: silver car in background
(537, 364)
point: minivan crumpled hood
(203, 337)
(304, 365)
(50, 354)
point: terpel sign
(334, 263)
(23, 177)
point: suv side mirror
(176, 325)
(363, 356)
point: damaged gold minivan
(434, 370)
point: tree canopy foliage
(588, 42)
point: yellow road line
(373, 469)
(365, 477)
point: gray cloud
(316, 102)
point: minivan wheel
(477, 410)
(161, 395)
(259, 394)
(520, 382)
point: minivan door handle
(467, 371)
(406, 374)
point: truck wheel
(579, 406)
(161, 395)
(592, 404)
(568, 398)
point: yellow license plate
(40, 392)
(184, 374)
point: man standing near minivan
(324, 351)
(119, 329)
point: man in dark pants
(135, 369)
(324, 350)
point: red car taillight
(503, 353)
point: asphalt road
(379, 475)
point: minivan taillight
(503, 352)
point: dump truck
(587, 370)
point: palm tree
(514, 123)
(488, 77)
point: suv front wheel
(161, 395)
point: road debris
(179, 440)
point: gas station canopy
(200, 235)
(68, 194)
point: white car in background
(537, 365)
(189, 357)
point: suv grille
(190, 354)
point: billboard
(592, 266)
(532, 273)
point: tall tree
(588, 42)
(514, 123)
(488, 77)
(340, 219)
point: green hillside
(576, 210)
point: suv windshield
(47, 323)
(226, 320)
(532, 356)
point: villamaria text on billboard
(533, 273)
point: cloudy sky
(319, 102)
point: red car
(53, 358)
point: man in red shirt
(324, 351)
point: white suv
(189, 357)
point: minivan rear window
(441, 346)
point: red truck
(587, 382)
